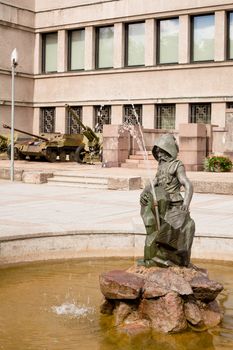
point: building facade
(171, 59)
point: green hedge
(218, 164)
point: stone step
(79, 179)
(78, 184)
(128, 165)
(149, 161)
(141, 157)
(140, 153)
(145, 166)
(132, 161)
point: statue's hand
(184, 207)
(144, 198)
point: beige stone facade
(23, 23)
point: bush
(218, 164)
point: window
(76, 49)
(229, 105)
(168, 40)
(49, 52)
(102, 116)
(47, 119)
(135, 44)
(132, 116)
(104, 46)
(166, 114)
(230, 36)
(200, 113)
(203, 38)
(72, 126)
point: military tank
(46, 146)
(90, 150)
(3, 143)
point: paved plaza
(28, 209)
(40, 221)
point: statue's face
(162, 155)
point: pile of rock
(164, 299)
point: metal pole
(12, 117)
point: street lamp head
(14, 58)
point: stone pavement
(204, 182)
(28, 209)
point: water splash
(73, 310)
(129, 125)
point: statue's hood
(166, 142)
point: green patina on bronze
(165, 213)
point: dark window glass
(132, 115)
(102, 116)
(166, 116)
(47, 119)
(200, 113)
(72, 126)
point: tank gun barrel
(3, 138)
(26, 133)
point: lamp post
(14, 63)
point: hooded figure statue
(164, 211)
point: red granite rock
(211, 313)
(204, 288)
(165, 313)
(163, 281)
(188, 273)
(192, 313)
(120, 285)
(122, 311)
(107, 307)
(164, 299)
(136, 327)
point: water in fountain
(43, 308)
(72, 309)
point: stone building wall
(150, 85)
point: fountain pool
(55, 306)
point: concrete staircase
(72, 179)
(138, 161)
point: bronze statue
(164, 211)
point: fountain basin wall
(82, 244)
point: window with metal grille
(200, 113)
(166, 116)
(47, 119)
(102, 116)
(72, 126)
(132, 115)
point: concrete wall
(74, 12)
